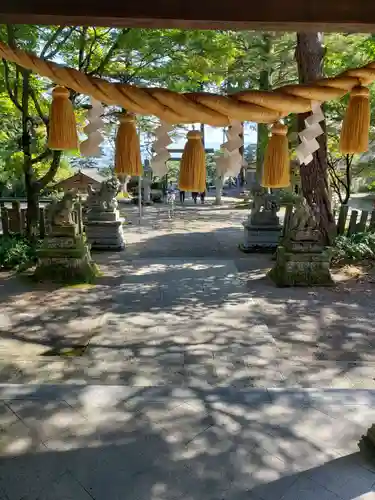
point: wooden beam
(282, 15)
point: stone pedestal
(258, 237)
(262, 229)
(301, 260)
(64, 257)
(367, 444)
(147, 192)
(104, 230)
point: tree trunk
(314, 179)
(32, 188)
(32, 213)
(348, 173)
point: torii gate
(270, 15)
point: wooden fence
(13, 220)
(348, 221)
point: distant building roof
(93, 173)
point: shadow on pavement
(150, 443)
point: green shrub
(16, 252)
(355, 248)
(371, 186)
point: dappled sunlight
(150, 269)
(191, 311)
(180, 443)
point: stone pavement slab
(192, 312)
(93, 442)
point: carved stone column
(262, 229)
(64, 255)
(301, 258)
(104, 224)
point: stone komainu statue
(263, 202)
(59, 213)
(104, 198)
(303, 217)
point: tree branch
(61, 43)
(335, 176)
(12, 95)
(49, 176)
(49, 42)
(8, 87)
(82, 44)
(42, 116)
(87, 59)
(41, 157)
(335, 185)
(99, 70)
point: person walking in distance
(171, 198)
(182, 197)
(194, 195)
(202, 196)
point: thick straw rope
(250, 105)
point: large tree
(262, 61)
(314, 178)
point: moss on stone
(305, 272)
(85, 271)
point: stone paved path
(182, 303)
(198, 380)
(116, 442)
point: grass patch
(16, 253)
(357, 248)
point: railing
(348, 221)
(13, 220)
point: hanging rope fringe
(355, 128)
(216, 110)
(62, 133)
(193, 164)
(276, 168)
(128, 151)
(308, 136)
(91, 146)
(162, 155)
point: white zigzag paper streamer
(230, 162)
(162, 155)
(91, 146)
(308, 136)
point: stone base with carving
(301, 260)
(64, 257)
(104, 230)
(261, 233)
(367, 444)
(258, 238)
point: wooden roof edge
(268, 15)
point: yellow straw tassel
(128, 149)
(276, 167)
(62, 132)
(356, 124)
(193, 164)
